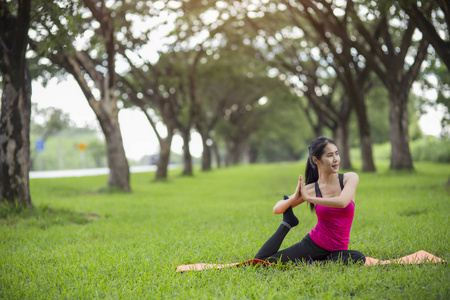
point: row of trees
(219, 59)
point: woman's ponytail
(316, 149)
(311, 173)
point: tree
(225, 79)
(192, 37)
(222, 88)
(435, 78)
(54, 120)
(16, 103)
(171, 78)
(319, 66)
(244, 114)
(151, 87)
(433, 20)
(94, 69)
(187, 102)
(305, 62)
(283, 134)
(352, 72)
(390, 49)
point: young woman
(332, 196)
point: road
(88, 172)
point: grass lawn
(85, 243)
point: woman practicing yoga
(332, 196)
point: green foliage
(54, 25)
(284, 133)
(132, 243)
(48, 121)
(378, 113)
(382, 151)
(431, 148)
(428, 148)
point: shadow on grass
(109, 190)
(413, 212)
(42, 217)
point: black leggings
(304, 251)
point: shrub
(431, 148)
(428, 148)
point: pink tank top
(332, 231)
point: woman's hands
(305, 193)
(298, 190)
(294, 200)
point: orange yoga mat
(415, 258)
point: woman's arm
(281, 206)
(294, 200)
(341, 201)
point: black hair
(316, 148)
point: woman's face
(329, 162)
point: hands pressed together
(300, 195)
(301, 192)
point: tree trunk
(187, 170)
(342, 139)
(119, 171)
(246, 154)
(15, 106)
(215, 150)
(206, 155)
(389, 63)
(235, 151)
(398, 132)
(15, 142)
(253, 154)
(318, 128)
(107, 114)
(365, 139)
(164, 156)
(81, 65)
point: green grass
(84, 243)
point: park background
(425, 98)
(247, 85)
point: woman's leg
(415, 258)
(305, 251)
(274, 242)
(346, 257)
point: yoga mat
(205, 266)
(419, 257)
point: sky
(138, 136)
